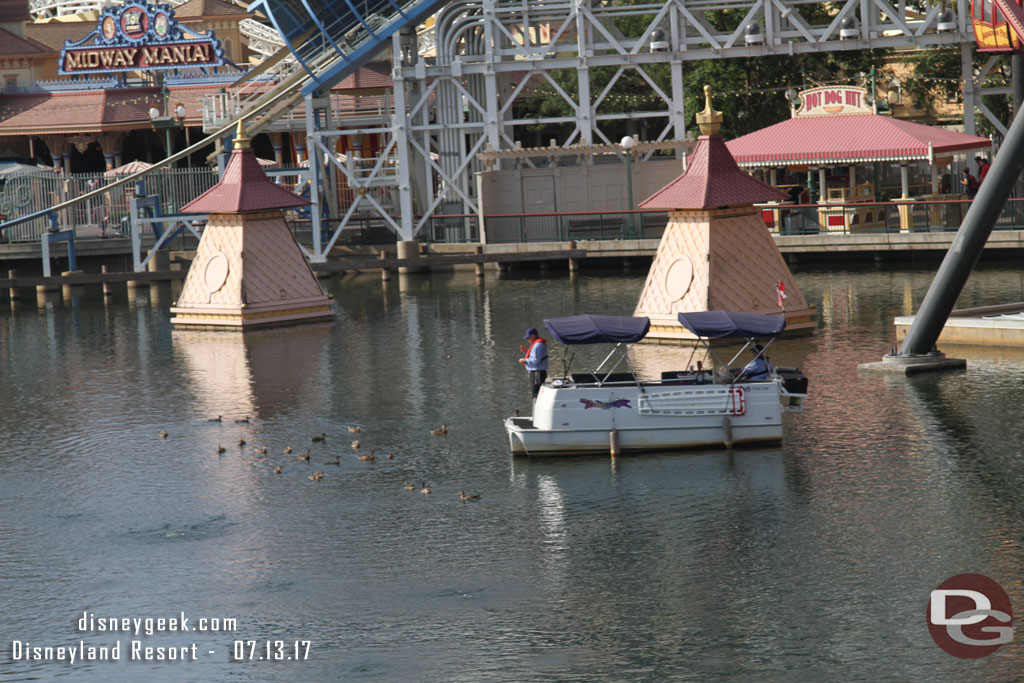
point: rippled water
(812, 561)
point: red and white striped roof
(847, 140)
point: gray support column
(314, 179)
(968, 244)
(492, 128)
(400, 129)
(677, 115)
(967, 75)
(584, 109)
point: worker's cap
(531, 333)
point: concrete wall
(570, 189)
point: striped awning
(847, 140)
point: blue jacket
(758, 368)
(537, 355)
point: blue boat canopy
(719, 324)
(597, 329)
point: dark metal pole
(968, 244)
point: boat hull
(579, 419)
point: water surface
(811, 561)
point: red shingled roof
(208, 8)
(53, 33)
(712, 180)
(244, 187)
(848, 139)
(11, 44)
(14, 10)
(77, 112)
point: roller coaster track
(333, 41)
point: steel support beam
(970, 240)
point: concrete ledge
(913, 365)
(984, 326)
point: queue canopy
(10, 169)
(597, 329)
(724, 324)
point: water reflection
(243, 374)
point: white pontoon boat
(585, 413)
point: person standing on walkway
(970, 184)
(535, 360)
(983, 167)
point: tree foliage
(749, 91)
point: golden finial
(241, 142)
(709, 120)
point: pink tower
(249, 272)
(716, 252)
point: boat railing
(668, 378)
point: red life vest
(538, 340)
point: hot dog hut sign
(833, 100)
(138, 37)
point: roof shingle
(11, 44)
(14, 10)
(712, 180)
(244, 187)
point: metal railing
(561, 227)
(902, 216)
(105, 213)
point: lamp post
(627, 144)
(167, 122)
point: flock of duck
(322, 438)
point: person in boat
(759, 368)
(535, 360)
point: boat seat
(588, 378)
(685, 378)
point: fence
(105, 216)
(561, 227)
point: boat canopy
(597, 329)
(719, 324)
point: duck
(468, 496)
(241, 442)
(287, 450)
(304, 456)
(315, 439)
(220, 449)
(242, 420)
(355, 428)
(368, 458)
(408, 486)
(515, 413)
(277, 470)
(336, 461)
(163, 434)
(424, 490)
(316, 476)
(440, 431)
(261, 449)
(355, 445)
(215, 419)
(391, 456)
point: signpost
(139, 37)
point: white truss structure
(461, 103)
(454, 95)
